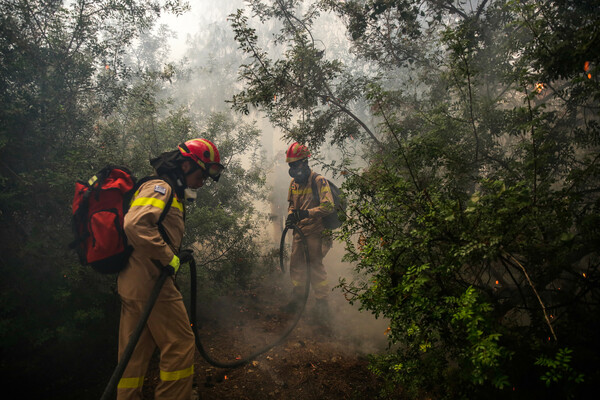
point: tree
(473, 224)
(303, 93)
(61, 72)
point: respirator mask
(300, 172)
(190, 194)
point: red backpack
(99, 208)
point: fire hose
(135, 336)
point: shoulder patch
(160, 189)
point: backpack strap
(163, 214)
(315, 189)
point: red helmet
(205, 154)
(296, 152)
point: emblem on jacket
(160, 189)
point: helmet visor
(213, 170)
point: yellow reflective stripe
(322, 283)
(92, 180)
(176, 375)
(177, 204)
(210, 148)
(323, 189)
(148, 201)
(144, 201)
(131, 383)
(302, 191)
(133, 197)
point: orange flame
(539, 87)
(586, 68)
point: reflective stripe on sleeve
(176, 375)
(131, 383)
(151, 201)
(148, 201)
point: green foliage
(473, 225)
(560, 371)
(303, 93)
(72, 101)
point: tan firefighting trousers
(318, 246)
(168, 327)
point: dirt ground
(314, 361)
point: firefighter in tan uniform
(306, 210)
(180, 173)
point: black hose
(246, 360)
(281, 249)
(135, 336)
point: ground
(313, 362)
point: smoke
(359, 328)
(206, 51)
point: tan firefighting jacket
(300, 197)
(136, 281)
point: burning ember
(586, 68)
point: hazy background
(203, 43)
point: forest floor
(313, 362)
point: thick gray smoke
(206, 49)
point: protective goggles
(213, 170)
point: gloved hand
(173, 266)
(295, 216)
(186, 255)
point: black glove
(295, 216)
(185, 256)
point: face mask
(190, 194)
(300, 174)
